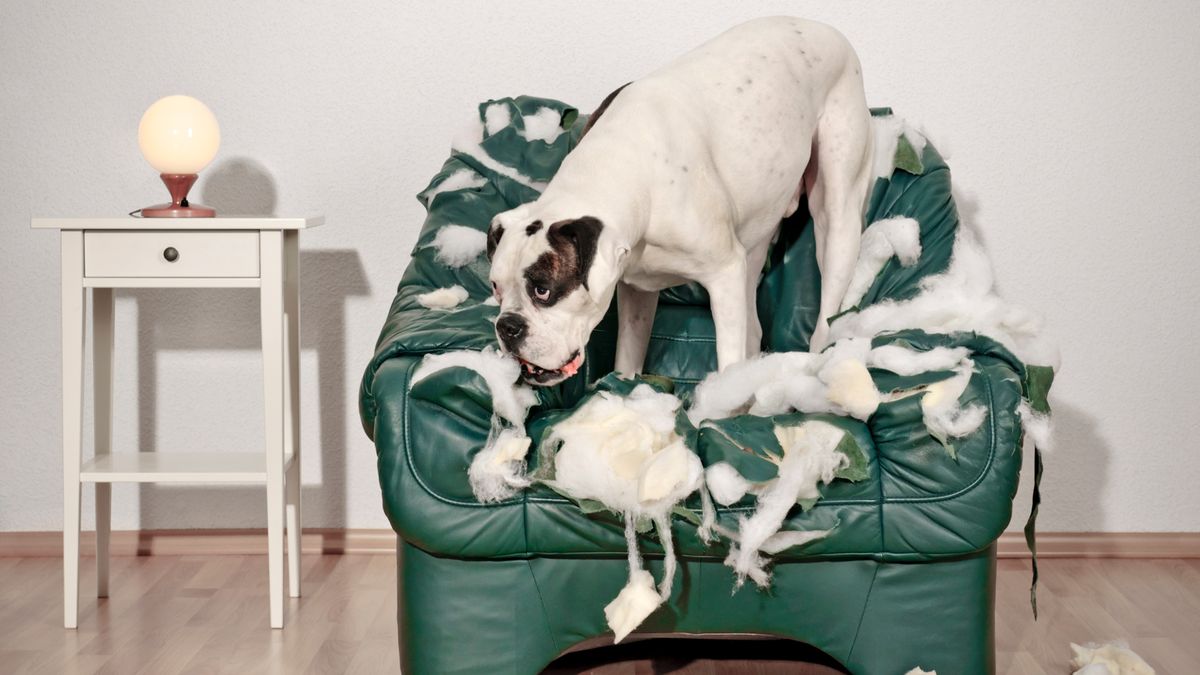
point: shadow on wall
(239, 186)
(1080, 457)
(190, 320)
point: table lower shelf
(178, 467)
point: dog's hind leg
(754, 265)
(838, 192)
(635, 318)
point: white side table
(107, 253)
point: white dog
(686, 177)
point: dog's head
(554, 281)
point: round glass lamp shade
(178, 135)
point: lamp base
(177, 211)
(178, 185)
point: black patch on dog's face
(565, 266)
(533, 228)
(493, 240)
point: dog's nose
(511, 327)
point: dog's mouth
(538, 375)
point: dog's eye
(541, 293)
(495, 290)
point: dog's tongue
(572, 366)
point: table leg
(102, 366)
(72, 415)
(291, 427)
(271, 316)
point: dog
(685, 175)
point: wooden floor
(182, 614)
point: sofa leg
(939, 616)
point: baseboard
(197, 542)
(334, 541)
(1103, 545)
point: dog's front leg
(727, 298)
(635, 317)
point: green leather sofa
(907, 578)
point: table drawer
(170, 254)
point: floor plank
(208, 615)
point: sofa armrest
(425, 437)
(934, 504)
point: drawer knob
(171, 254)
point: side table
(124, 252)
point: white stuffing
(609, 451)
(636, 601)
(462, 179)
(624, 452)
(1038, 427)
(852, 389)
(1111, 658)
(834, 381)
(496, 117)
(898, 237)
(468, 143)
(510, 400)
(498, 471)
(443, 298)
(809, 458)
(543, 125)
(963, 298)
(726, 393)
(921, 671)
(904, 361)
(458, 245)
(944, 417)
(491, 301)
(886, 134)
(725, 484)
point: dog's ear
(493, 239)
(579, 236)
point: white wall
(1071, 127)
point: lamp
(178, 136)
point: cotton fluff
(543, 125)
(498, 471)
(458, 245)
(905, 361)
(1037, 426)
(636, 601)
(921, 671)
(810, 458)
(725, 484)
(468, 142)
(834, 381)
(462, 179)
(886, 134)
(609, 452)
(624, 452)
(1112, 658)
(897, 237)
(730, 391)
(496, 117)
(510, 401)
(944, 416)
(963, 298)
(443, 298)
